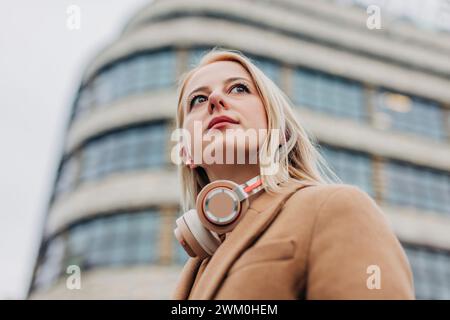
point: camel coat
(310, 242)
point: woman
(292, 234)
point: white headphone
(220, 206)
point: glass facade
(130, 238)
(67, 175)
(136, 74)
(129, 149)
(352, 167)
(269, 67)
(431, 270)
(411, 114)
(329, 94)
(405, 184)
(414, 186)
(195, 54)
(345, 98)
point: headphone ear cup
(194, 237)
(181, 239)
(189, 242)
(208, 191)
(208, 240)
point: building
(376, 100)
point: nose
(216, 101)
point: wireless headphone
(220, 206)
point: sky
(41, 64)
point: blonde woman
(276, 227)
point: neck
(238, 173)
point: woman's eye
(197, 98)
(240, 88)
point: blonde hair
(299, 160)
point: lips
(220, 120)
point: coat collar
(262, 211)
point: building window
(114, 240)
(126, 150)
(103, 89)
(269, 67)
(130, 149)
(83, 102)
(409, 114)
(134, 75)
(417, 187)
(67, 176)
(52, 264)
(431, 270)
(329, 94)
(352, 167)
(195, 55)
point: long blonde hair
(299, 160)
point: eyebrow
(225, 82)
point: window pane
(145, 71)
(130, 149)
(410, 114)
(417, 187)
(329, 94)
(121, 239)
(269, 67)
(66, 176)
(351, 167)
(51, 266)
(431, 270)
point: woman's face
(222, 88)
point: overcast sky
(41, 63)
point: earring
(190, 163)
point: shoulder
(348, 229)
(329, 203)
(324, 194)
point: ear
(184, 156)
(187, 160)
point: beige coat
(315, 242)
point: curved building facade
(376, 101)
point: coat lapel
(260, 214)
